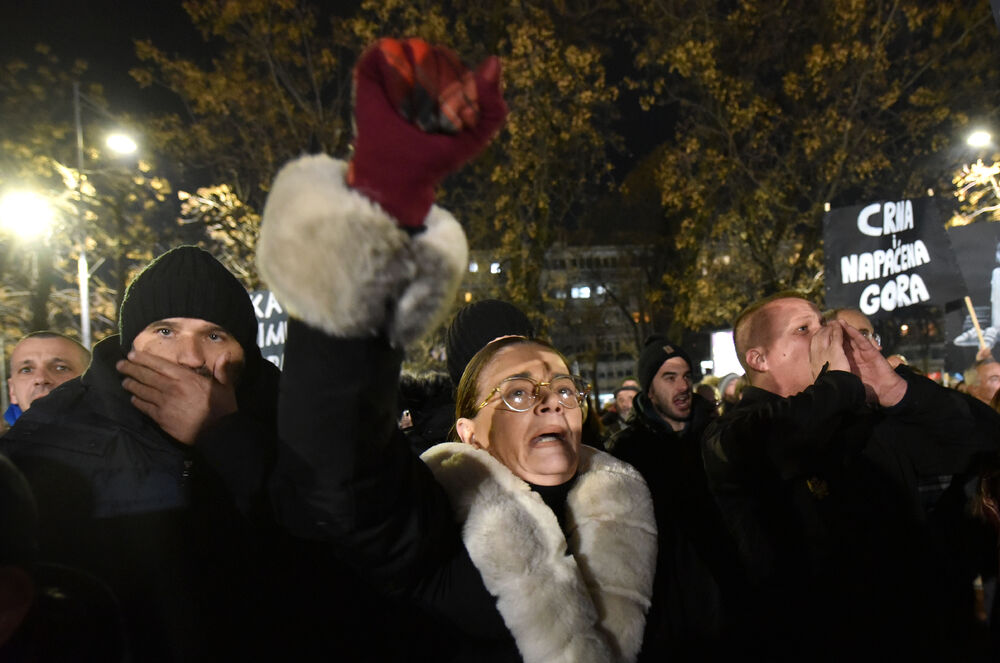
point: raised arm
(365, 265)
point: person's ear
(466, 429)
(17, 593)
(756, 360)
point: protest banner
(272, 326)
(889, 255)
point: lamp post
(120, 144)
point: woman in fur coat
(513, 543)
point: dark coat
(696, 552)
(396, 527)
(821, 492)
(166, 526)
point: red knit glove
(419, 114)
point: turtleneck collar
(555, 498)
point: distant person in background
(730, 389)
(624, 397)
(40, 362)
(860, 321)
(617, 417)
(707, 390)
(698, 575)
(983, 380)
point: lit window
(580, 292)
(600, 289)
(468, 297)
(473, 266)
(494, 268)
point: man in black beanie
(697, 565)
(150, 467)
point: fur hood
(338, 262)
(588, 606)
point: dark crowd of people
(172, 497)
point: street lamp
(979, 138)
(119, 143)
(25, 214)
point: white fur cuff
(338, 262)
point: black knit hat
(657, 350)
(626, 387)
(476, 325)
(188, 282)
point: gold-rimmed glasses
(519, 393)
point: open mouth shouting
(553, 436)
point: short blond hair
(753, 326)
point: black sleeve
(775, 432)
(345, 472)
(240, 449)
(942, 430)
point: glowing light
(121, 144)
(979, 138)
(25, 214)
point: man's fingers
(836, 333)
(151, 410)
(859, 340)
(221, 369)
(141, 390)
(158, 364)
(140, 373)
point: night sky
(102, 33)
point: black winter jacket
(821, 494)
(166, 526)
(696, 553)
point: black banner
(888, 255)
(272, 326)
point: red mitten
(419, 115)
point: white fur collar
(337, 261)
(585, 607)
